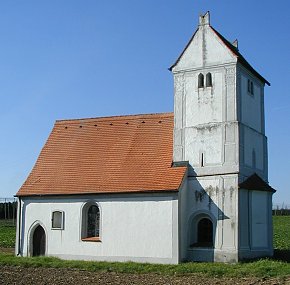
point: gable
(204, 49)
(207, 47)
(106, 155)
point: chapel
(188, 185)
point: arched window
(208, 80)
(91, 222)
(205, 233)
(200, 80)
(201, 232)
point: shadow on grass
(282, 255)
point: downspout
(19, 225)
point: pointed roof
(204, 20)
(124, 154)
(255, 182)
(240, 58)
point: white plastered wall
(139, 228)
(214, 197)
(255, 224)
(253, 142)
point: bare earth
(29, 275)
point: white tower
(220, 130)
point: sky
(90, 58)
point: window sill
(92, 239)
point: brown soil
(7, 249)
(29, 275)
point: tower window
(208, 80)
(250, 87)
(254, 158)
(202, 160)
(200, 80)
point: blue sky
(90, 58)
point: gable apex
(226, 50)
(204, 19)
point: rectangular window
(250, 87)
(57, 220)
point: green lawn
(7, 233)
(281, 226)
(260, 268)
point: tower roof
(255, 182)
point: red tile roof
(106, 155)
(239, 56)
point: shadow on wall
(202, 224)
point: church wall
(244, 219)
(259, 222)
(206, 130)
(255, 224)
(183, 196)
(139, 228)
(203, 105)
(253, 142)
(253, 150)
(251, 104)
(215, 197)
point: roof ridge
(239, 56)
(119, 117)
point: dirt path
(22, 275)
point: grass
(7, 233)
(260, 268)
(281, 226)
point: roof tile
(106, 155)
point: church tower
(219, 129)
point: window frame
(193, 233)
(84, 222)
(53, 219)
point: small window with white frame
(57, 220)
